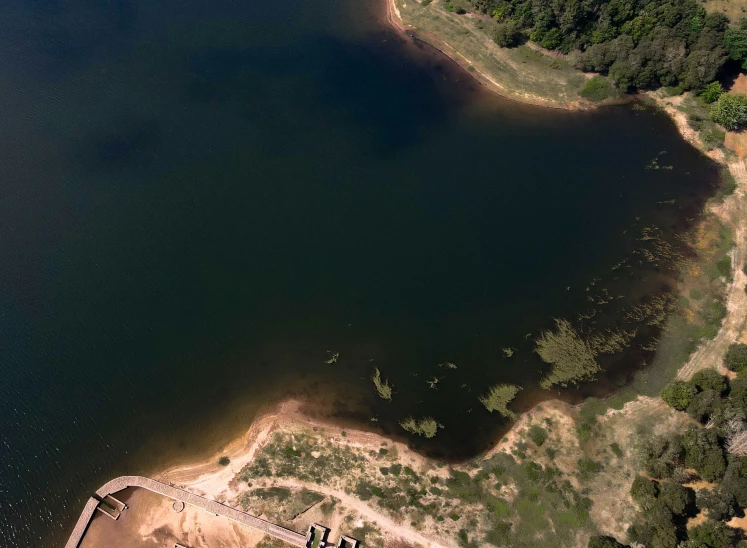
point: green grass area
(521, 72)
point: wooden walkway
(117, 484)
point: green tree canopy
(730, 110)
(736, 357)
(679, 394)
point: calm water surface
(200, 199)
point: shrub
(507, 34)
(723, 266)
(659, 455)
(709, 379)
(712, 534)
(679, 394)
(588, 468)
(538, 435)
(597, 88)
(643, 492)
(676, 497)
(730, 110)
(674, 90)
(712, 92)
(224, 461)
(736, 357)
(616, 450)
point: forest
(639, 44)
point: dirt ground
(151, 522)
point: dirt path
(733, 211)
(390, 526)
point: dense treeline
(638, 43)
(714, 451)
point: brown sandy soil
(612, 511)
(151, 522)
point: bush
(597, 88)
(712, 92)
(730, 110)
(224, 461)
(538, 435)
(736, 357)
(616, 450)
(588, 467)
(660, 454)
(723, 266)
(507, 34)
(676, 497)
(674, 90)
(712, 534)
(679, 394)
(644, 493)
(709, 379)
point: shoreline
(208, 476)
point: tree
(704, 453)
(735, 480)
(735, 41)
(709, 379)
(704, 405)
(712, 534)
(712, 92)
(679, 394)
(676, 497)
(644, 493)
(730, 110)
(735, 358)
(599, 541)
(717, 503)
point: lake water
(200, 199)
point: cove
(202, 201)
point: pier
(118, 484)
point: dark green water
(198, 200)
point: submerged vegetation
(498, 398)
(383, 388)
(426, 427)
(572, 359)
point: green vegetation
(224, 461)
(712, 92)
(427, 426)
(538, 435)
(498, 398)
(572, 358)
(597, 88)
(383, 388)
(736, 357)
(735, 40)
(679, 394)
(730, 111)
(637, 44)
